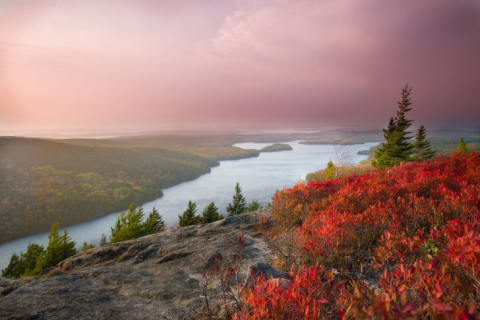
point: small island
(277, 147)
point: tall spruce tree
(188, 217)
(384, 155)
(210, 213)
(423, 149)
(154, 223)
(239, 204)
(58, 249)
(397, 147)
(404, 148)
(462, 146)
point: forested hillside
(48, 181)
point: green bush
(130, 225)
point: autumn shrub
(310, 295)
(290, 206)
(414, 227)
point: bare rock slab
(154, 277)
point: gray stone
(154, 277)
(264, 270)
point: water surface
(259, 178)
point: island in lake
(277, 147)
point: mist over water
(259, 178)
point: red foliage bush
(417, 225)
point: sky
(236, 63)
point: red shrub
(421, 220)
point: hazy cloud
(89, 63)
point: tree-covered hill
(47, 181)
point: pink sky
(147, 63)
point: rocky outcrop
(154, 277)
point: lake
(259, 178)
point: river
(259, 178)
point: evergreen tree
(86, 246)
(423, 150)
(103, 240)
(58, 249)
(210, 213)
(330, 171)
(383, 156)
(397, 147)
(462, 146)
(14, 269)
(30, 257)
(253, 206)
(128, 226)
(403, 148)
(25, 264)
(238, 205)
(188, 217)
(154, 223)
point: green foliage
(30, 257)
(321, 175)
(14, 269)
(404, 149)
(384, 154)
(103, 240)
(239, 204)
(210, 213)
(397, 147)
(86, 246)
(36, 258)
(45, 181)
(462, 146)
(254, 205)
(25, 264)
(423, 149)
(154, 223)
(330, 171)
(58, 249)
(188, 217)
(130, 225)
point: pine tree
(397, 147)
(462, 146)
(210, 213)
(14, 269)
(103, 240)
(30, 257)
(330, 171)
(238, 205)
(26, 263)
(58, 249)
(154, 223)
(86, 246)
(423, 150)
(383, 156)
(403, 148)
(128, 226)
(188, 217)
(253, 206)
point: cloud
(238, 61)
